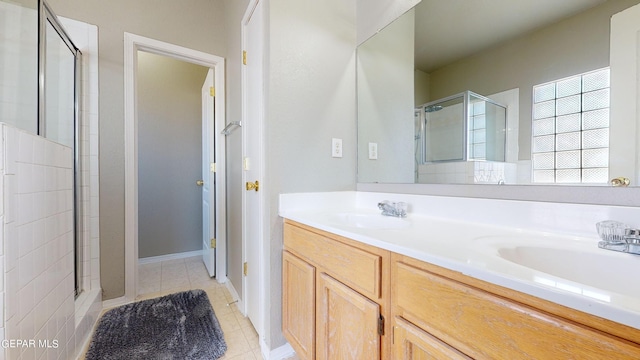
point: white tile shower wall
(38, 245)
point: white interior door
(252, 129)
(208, 176)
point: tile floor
(162, 278)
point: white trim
(111, 303)
(235, 296)
(133, 44)
(283, 352)
(176, 256)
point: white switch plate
(373, 151)
(336, 148)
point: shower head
(433, 108)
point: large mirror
(490, 92)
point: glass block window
(570, 130)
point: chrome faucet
(389, 208)
(618, 236)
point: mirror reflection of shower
(463, 128)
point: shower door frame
(465, 124)
(46, 14)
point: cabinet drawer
(411, 343)
(357, 268)
(485, 326)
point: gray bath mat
(179, 326)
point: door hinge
(213, 243)
(212, 167)
(381, 325)
(246, 269)
(244, 57)
(212, 91)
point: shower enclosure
(462, 127)
(40, 87)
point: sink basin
(371, 221)
(600, 269)
(569, 265)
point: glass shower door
(59, 112)
(19, 64)
(445, 130)
(59, 124)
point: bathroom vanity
(361, 286)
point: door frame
(132, 44)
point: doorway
(170, 145)
(133, 45)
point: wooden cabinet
(335, 296)
(337, 292)
(347, 323)
(298, 303)
(466, 315)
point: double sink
(567, 264)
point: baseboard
(111, 303)
(283, 352)
(236, 297)
(183, 255)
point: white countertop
(543, 249)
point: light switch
(373, 151)
(336, 148)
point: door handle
(200, 182)
(252, 185)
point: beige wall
(169, 155)
(195, 24)
(385, 103)
(234, 11)
(578, 44)
(374, 15)
(311, 99)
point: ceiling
(448, 30)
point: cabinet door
(347, 323)
(298, 305)
(411, 343)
